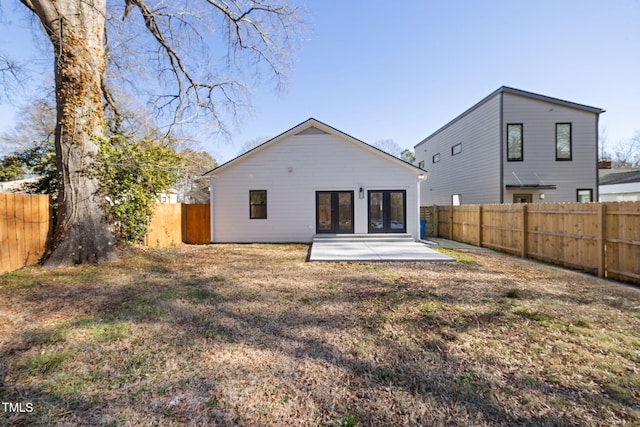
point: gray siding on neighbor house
(539, 164)
(474, 173)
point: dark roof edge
(506, 89)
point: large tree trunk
(76, 29)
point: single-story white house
(313, 179)
(620, 185)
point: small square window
(456, 149)
(257, 204)
(585, 195)
(563, 141)
(421, 164)
(436, 158)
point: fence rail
(600, 238)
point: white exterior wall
(629, 192)
(475, 172)
(539, 120)
(318, 162)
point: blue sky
(400, 70)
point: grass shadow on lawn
(226, 336)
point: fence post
(434, 219)
(525, 225)
(451, 223)
(480, 225)
(601, 242)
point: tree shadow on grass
(186, 315)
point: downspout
(596, 191)
(501, 148)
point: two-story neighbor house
(513, 146)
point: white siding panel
(474, 173)
(292, 170)
(539, 148)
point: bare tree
(252, 143)
(627, 154)
(257, 34)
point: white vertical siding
(318, 161)
(539, 120)
(474, 173)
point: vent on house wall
(312, 131)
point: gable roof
(620, 178)
(518, 92)
(313, 126)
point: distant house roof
(518, 92)
(621, 178)
(313, 126)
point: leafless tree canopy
(197, 61)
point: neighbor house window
(436, 158)
(455, 199)
(258, 204)
(585, 195)
(456, 149)
(514, 142)
(563, 141)
(421, 164)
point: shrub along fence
(25, 222)
(600, 238)
(24, 227)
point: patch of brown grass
(254, 335)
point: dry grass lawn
(253, 335)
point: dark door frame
(386, 212)
(335, 212)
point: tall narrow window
(258, 204)
(514, 142)
(421, 164)
(563, 141)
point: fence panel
(444, 222)
(502, 228)
(166, 226)
(196, 222)
(622, 241)
(564, 233)
(24, 227)
(466, 225)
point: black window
(514, 142)
(563, 141)
(436, 158)
(585, 195)
(421, 164)
(456, 149)
(258, 204)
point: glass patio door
(334, 212)
(387, 211)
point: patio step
(395, 237)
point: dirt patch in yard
(254, 335)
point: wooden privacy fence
(25, 221)
(175, 223)
(24, 227)
(601, 238)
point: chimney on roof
(604, 164)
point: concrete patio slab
(372, 248)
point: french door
(334, 212)
(387, 211)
